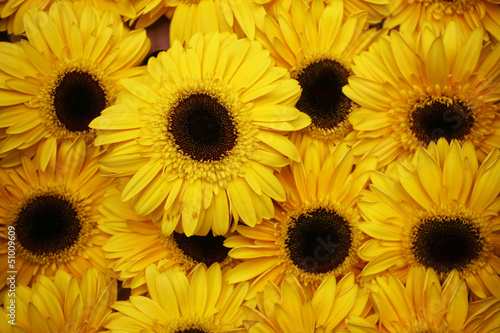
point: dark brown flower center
(78, 99)
(445, 243)
(207, 249)
(47, 224)
(438, 119)
(322, 97)
(318, 241)
(192, 330)
(203, 128)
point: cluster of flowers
(284, 166)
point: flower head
(54, 214)
(199, 302)
(314, 232)
(202, 134)
(63, 76)
(438, 210)
(440, 86)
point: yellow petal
(436, 64)
(140, 180)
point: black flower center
(319, 241)
(441, 120)
(322, 97)
(207, 249)
(203, 128)
(47, 224)
(192, 330)
(446, 243)
(78, 99)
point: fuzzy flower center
(78, 99)
(322, 97)
(207, 249)
(318, 241)
(203, 128)
(433, 119)
(51, 225)
(446, 243)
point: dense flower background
(203, 166)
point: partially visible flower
(413, 91)
(63, 303)
(205, 16)
(54, 214)
(376, 10)
(136, 243)
(439, 210)
(202, 134)
(316, 43)
(12, 12)
(201, 302)
(314, 232)
(411, 15)
(68, 71)
(426, 305)
(289, 309)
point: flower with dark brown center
(446, 243)
(203, 128)
(436, 119)
(318, 241)
(322, 97)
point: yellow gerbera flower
(314, 232)
(12, 12)
(410, 15)
(413, 92)
(53, 214)
(376, 10)
(317, 43)
(438, 210)
(205, 16)
(63, 303)
(289, 309)
(424, 305)
(54, 84)
(136, 243)
(202, 134)
(201, 302)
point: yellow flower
(289, 309)
(63, 303)
(376, 10)
(413, 92)
(424, 305)
(12, 12)
(201, 302)
(202, 134)
(317, 43)
(205, 16)
(315, 232)
(410, 15)
(438, 210)
(54, 84)
(136, 243)
(54, 214)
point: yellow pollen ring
(449, 212)
(46, 97)
(440, 8)
(218, 172)
(401, 111)
(86, 226)
(187, 323)
(288, 221)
